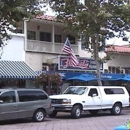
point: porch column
(53, 38)
(79, 44)
(25, 33)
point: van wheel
(76, 112)
(93, 112)
(53, 114)
(39, 115)
(116, 110)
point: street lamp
(49, 62)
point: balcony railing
(48, 47)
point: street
(103, 121)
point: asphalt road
(103, 121)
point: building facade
(39, 43)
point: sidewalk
(65, 122)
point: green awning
(16, 70)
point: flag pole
(68, 50)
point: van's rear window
(114, 91)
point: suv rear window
(29, 95)
(114, 91)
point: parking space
(103, 121)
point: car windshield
(75, 90)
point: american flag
(68, 50)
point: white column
(53, 38)
(79, 46)
(25, 34)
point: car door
(8, 105)
(93, 99)
(26, 103)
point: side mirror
(1, 101)
(94, 95)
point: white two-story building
(39, 43)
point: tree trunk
(96, 56)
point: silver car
(24, 103)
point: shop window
(106, 71)
(49, 67)
(127, 71)
(45, 68)
(45, 36)
(53, 67)
(31, 35)
(57, 38)
(55, 89)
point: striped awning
(16, 70)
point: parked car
(76, 99)
(24, 103)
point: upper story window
(86, 43)
(18, 30)
(31, 35)
(57, 38)
(71, 39)
(45, 36)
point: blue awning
(112, 76)
(83, 77)
(68, 75)
(16, 70)
(90, 76)
(126, 78)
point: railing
(58, 48)
(48, 47)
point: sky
(117, 41)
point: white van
(76, 99)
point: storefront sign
(85, 64)
(112, 76)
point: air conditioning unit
(123, 71)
